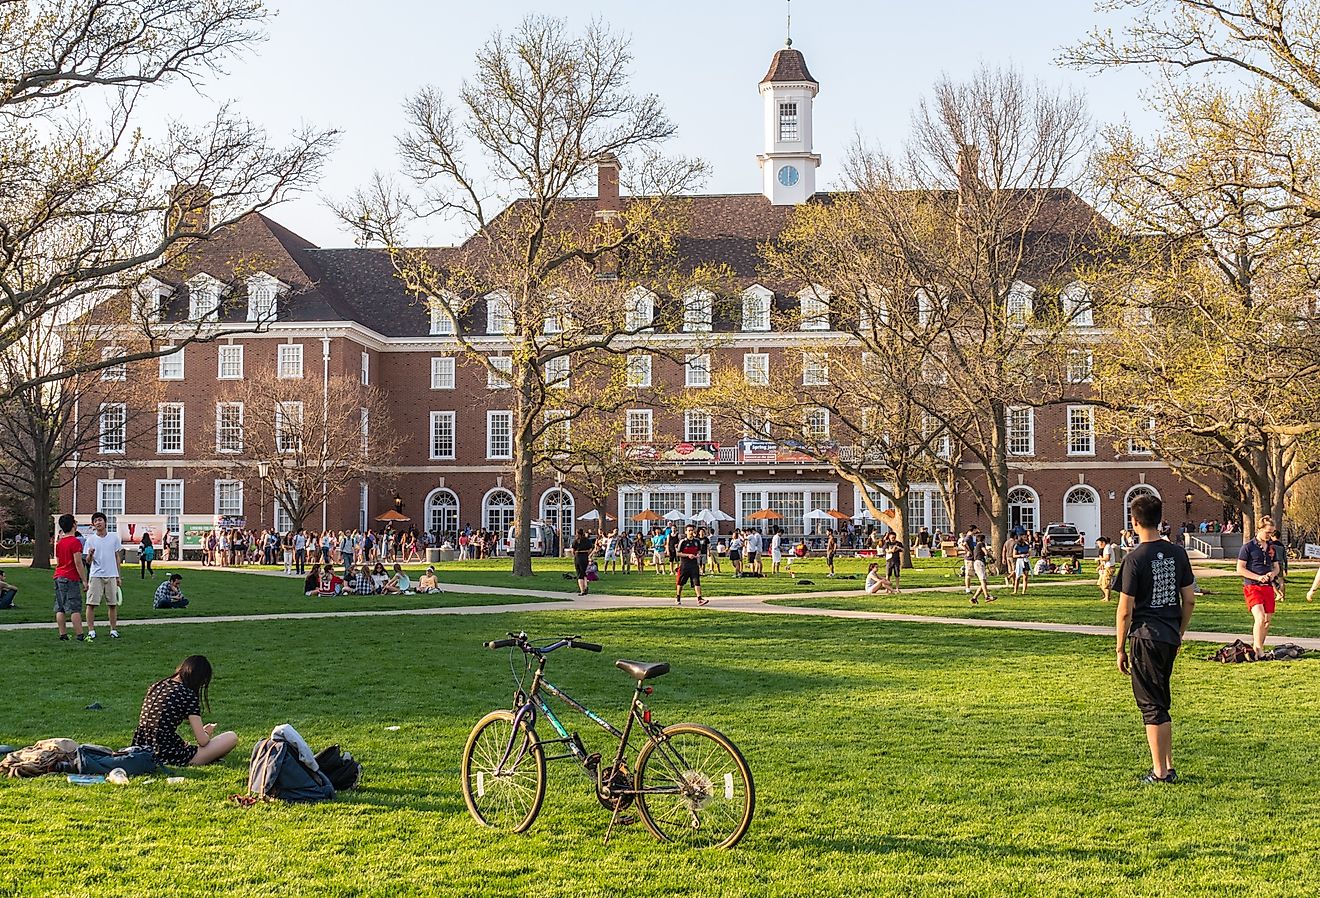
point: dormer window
(1018, 303)
(263, 293)
(204, 294)
(788, 122)
(639, 309)
(151, 300)
(756, 308)
(815, 308)
(698, 306)
(1077, 308)
(442, 323)
(499, 313)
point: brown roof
(789, 65)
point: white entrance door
(1081, 508)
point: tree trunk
(900, 502)
(523, 462)
(41, 525)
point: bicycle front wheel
(503, 773)
(695, 788)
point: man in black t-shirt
(688, 550)
(1155, 605)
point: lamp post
(263, 469)
(1187, 502)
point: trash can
(433, 555)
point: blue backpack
(275, 772)
(136, 760)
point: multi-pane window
(231, 362)
(501, 377)
(696, 426)
(556, 373)
(638, 309)
(1077, 307)
(788, 122)
(442, 435)
(639, 370)
(499, 313)
(442, 323)
(366, 368)
(364, 426)
(696, 370)
(1081, 430)
(815, 369)
(229, 427)
(114, 423)
(1021, 426)
(1017, 305)
(442, 372)
(499, 435)
(756, 368)
(110, 501)
(288, 426)
(169, 502)
(169, 427)
(229, 498)
(639, 428)
(816, 425)
(756, 309)
(814, 305)
(698, 306)
(940, 444)
(1143, 446)
(1079, 365)
(284, 520)
(113, 372)
(289, 360)
(171, 366)
(558, 431)
(203, 302)
(261, 299)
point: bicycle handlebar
(576, 643)
(521, 641)
(500, 643)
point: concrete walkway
(562, 602)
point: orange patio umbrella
(392, 515)
(647, 515)
(838, 515)
(765, 514)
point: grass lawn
(889, 760)
(212, 592)
(1222, 610)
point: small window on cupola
(788, 122)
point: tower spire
(788, 30)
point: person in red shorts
(689, 565)
(1258, 566)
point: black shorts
(688, 572)
(1151, 664)
(580, 564)
(892, 567)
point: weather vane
(788, 31)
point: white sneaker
(91, 634)
(114, 634)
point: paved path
(738, 604)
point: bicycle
(690, 784)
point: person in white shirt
(754, 551)
(776, 551)
(1105, 566)
(103, 551)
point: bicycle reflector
(646, 715)
(649, 690)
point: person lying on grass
(171, 701)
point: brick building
(337, 312)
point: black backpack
(342, 769)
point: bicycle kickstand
(618, 818)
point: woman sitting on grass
(428, 583)
(875, 584)
(397, 584)
(379, 577)
(312, 582)
(169, 703)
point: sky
(350, 65)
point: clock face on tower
(788, 176)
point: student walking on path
(689, 565)
(1155, 606)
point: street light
(263, 469)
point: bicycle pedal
(592, 761)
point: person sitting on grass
(378, 576)
(7, 592)
(168, 704)
(875, 583)
(363, 584)
(397, 584)
(330, 584)
(1070, 567)
(169, 594)
(428, 583)
(312, 582)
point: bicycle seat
(640, 670)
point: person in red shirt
(689, 565)
(70, 578)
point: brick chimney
(190, 209)
(608, 207)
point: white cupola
(788, 166)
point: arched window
(1134, 493)
(1081, 508)
(1018, 304)
(559, 511)
(441, 512)
(1023, 509)
(497, 511)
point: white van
(544, 540)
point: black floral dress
(168, 704)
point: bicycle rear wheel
(503, 796)
(695, 788)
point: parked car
(545, 541)
(1063, 539)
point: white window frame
(114, 372)
(437, 448)
(638, 310)
(558, 372)
(366, 368)
(633, 422)
(812, 432)
(233, 354)
(442, 323)
(220, 486)
(789, 128)
(444, 372)
(757, 301)
(698, 310)
(695, 423)
(220, 443)
(696, 370)
(814, 309)
(504, 379)
(290, 412)
(161, 409)
(204, 294)
(108, 443)
(491, 417)
(1147, 448)
(1081, 430)
(1078, 309)
(1018, 304)
(815, 369)
(263, 298)
(639, 370)
(499, 313)
(111, 512)
(168, 513)
(171, 365)
(557, 435)
(365, 426)
(1030, 430)
(756, 368)
(289, 361)
(1080, 364)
